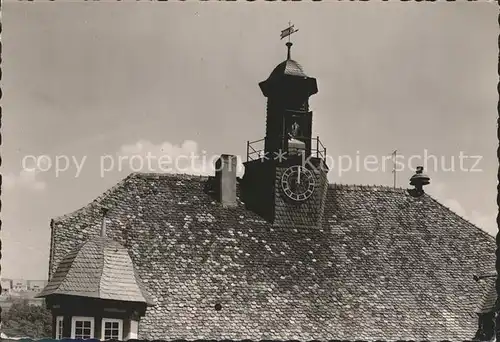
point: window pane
(82, 336)
(111, 336)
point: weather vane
(288, 31)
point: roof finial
(419, 180)
(287, 33)
(289, 46)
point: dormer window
(112, 329)
(115, 312)
(82, 327)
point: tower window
(112, 329)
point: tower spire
(289, 46)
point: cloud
(145, 156)
(26, 179)
(487, 222)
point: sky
(93, 87)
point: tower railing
(256, 149)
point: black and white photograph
(249, 170)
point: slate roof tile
(382, 265)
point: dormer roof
(98, 268)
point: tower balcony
(282, 148)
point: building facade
(279, 254)
(36, 285)
(20, 286)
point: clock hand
(298, 176)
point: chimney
(225, 180)
(103, 225)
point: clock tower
(285, 179)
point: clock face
(298, 183)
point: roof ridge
(169, 175)
(366, 187)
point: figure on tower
(295, 146)
(295, 130)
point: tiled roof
(383, 264)
(99, 268)
(135, 340)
